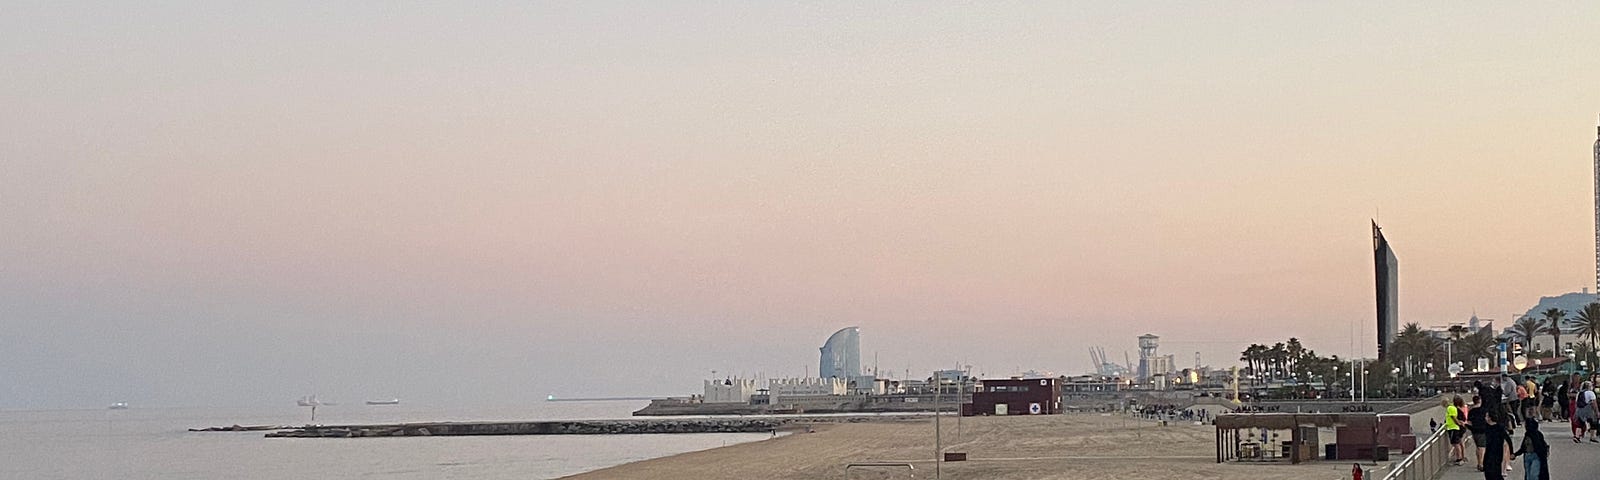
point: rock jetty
(569, 427)
(242, 428)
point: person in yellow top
(1454, 414)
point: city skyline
(222, 204)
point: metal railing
(906, 466)
(1422, 464)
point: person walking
(1454, 415)
(1563, 401)
(1577, 423)
(1587, 410)
(1520, 402)
(1498, 439)
(1531, 405)
(1536, 465)
(1547, 400)
(1477, 423)
(1508, 399)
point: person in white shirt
(1588, 412)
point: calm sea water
(152, 443)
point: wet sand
(1074, 446)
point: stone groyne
(560, 427)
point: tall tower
(841, 355)
(1388, 290)
(1597, 209)
(1147, 354)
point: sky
(220, 203)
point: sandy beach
(1074, 446)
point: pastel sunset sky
(209, 203)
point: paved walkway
(1567, 460)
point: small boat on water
(308, 401)
(392, 401)
(119, 406)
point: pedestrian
(1531, 405)
(1477, 423)
(1454, 415)
(1579, 426)
(1547, 400)
(1498, 439)
(1521, 402)
(1563, 401)
(1587, 410)
(1508, 398)
(1535, 466)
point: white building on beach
(730, 390)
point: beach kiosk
(1355, 435)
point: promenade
(1567, 459)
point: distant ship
(119, 406)
(392, 401)
(308, 401)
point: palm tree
(1554, 317)
(1435, 352)
(1478, 345)
(1252, 356)
(1410, 344)
(1526, 328)
(1331, 368)
(1305, 366)
(1296, 351)
(1587, 323)
(1277, 355)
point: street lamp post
(1449, 351)
(1427, 374)
(1363, 382)
(938, 443)
(1352, 380)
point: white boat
(308, 401)
(119, 406)
(392, 401)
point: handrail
(1429, 457)
(907, 466)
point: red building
(1017, 396)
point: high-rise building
(841, 355)
(1597, 208)
(1388, 290)
(1148, 344)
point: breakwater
(563, 427)
(586, 427)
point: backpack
(1583, 400)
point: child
(1536, 466)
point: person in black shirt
(1547, 400)
(1498, 438)
(1477, 423)
(1562, 401)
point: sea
(154, 443)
